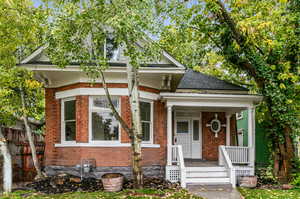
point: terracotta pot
(248, 181)
(112, 182)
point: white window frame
(62, 120)
(97, 109)
(151, 120)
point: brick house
(188, 128)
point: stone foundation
(149, 171)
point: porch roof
(199, 81)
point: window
(182, 126)
(68, 120)
(112, 49)
(104, 126)
(146, 120)
(196, 130)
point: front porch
(200, 146)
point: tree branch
(112, 107)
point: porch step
(205, 169)
(207, 175)
(204, 174)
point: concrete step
(207, 181)
(218, 174)
(205, 169)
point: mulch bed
(68, 183)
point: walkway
(214, 191)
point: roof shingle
(200, 81)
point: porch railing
(177, 158)
(238, 155)
(225, 160)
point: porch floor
(200, 163)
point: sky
(37, 3)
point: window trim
(151, 119)
(62, 121)
(90, 133)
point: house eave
(200, 96)
(115, 69)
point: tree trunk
(7, 164)
(284, 157)
(30, 139)
(133, 83)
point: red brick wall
(105, 156)
(209, 142)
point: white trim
(90, 131)
(172, 59)
(62, 120)
(209, 96)
(34, 54)
(151, 141)
(104, 145)
(115, 69)
(100, 91)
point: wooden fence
(23, 169)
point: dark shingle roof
(200, 81)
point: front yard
(270, 193)
(126, 194)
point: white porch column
(251, 135)
(228, 116)
(169, 135)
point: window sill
(104, 145)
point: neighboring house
(185, 115)
(262, 153)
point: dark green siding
(261, 143)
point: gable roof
(200, 81)
(35, 58)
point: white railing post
(169, 135)
(251, 136)
(182, 167)
(228, 116)
(228, 164)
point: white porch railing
(238, 155)
(225, 160)
(177, 170)
(174, 155)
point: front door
(188, 135)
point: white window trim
(151, 118)
(104, 145)
(62, 121)
(101, 142)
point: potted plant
(248, 181)
(112, 182)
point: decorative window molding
(70, 120)
(100, 91)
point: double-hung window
(104, 126)
(68, 118)
(146, 109)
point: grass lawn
(128, 194)
(270, 193)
